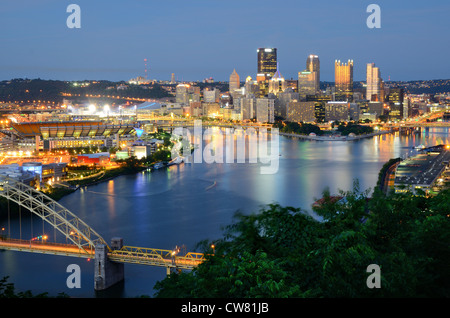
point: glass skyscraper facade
(373, 81)
(267, 66)
(343, 73)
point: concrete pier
(107, 273)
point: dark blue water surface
(185, 204)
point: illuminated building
(277, 84)
(375, 108)
(336, 111)
(319, 105)
(395, 98)
(181, 94)
(46, 172)
(267, 66)
(353, 111)
(211, 96)
(226, 100)
(144, 150)
(319, 111)
(234, 83)
(72, 134)
(211, 109)
(307, 82)
(373, 80)
(343, 76)
(422, 172)
(267, 61)
(248, 107)
(313, 66)
(251, 87)
(282, 101)
(17, 172)
(94, 158)
(301, 111)
(265, 110)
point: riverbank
(335, 138)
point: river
(186, 203)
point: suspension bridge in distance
(82, 241)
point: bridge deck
(45, 248)
(133, 255)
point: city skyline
(196, 40)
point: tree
(283, 252)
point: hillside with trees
(282, 252)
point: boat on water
(176, 161)
(420, 147)
(211, 186)
(158, 165)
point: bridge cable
(9, 222)
(20, 222)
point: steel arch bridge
(85, 240)
(72, 227)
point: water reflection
(190, 202)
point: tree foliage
(283, 252)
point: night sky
(198, 38)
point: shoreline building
(422, 172)
(343, 75)
(337, 111)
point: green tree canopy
(284, 252)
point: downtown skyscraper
(343, 77)
(313, 65)
(309, 80)
(374, 91)
(267, 67)
(234, 83)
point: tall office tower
(343, 77)
(382, 92)
(172, 80)
(251, 87)
(395, 103)
(265, 110)
(307, 83)
(277, 84)
(282, 100)
(313, 65)
(234, 83)
(267, 66)
(373, 81)
(211, 95)
(181, 93)
(248, 107)
(319, 111)
(267, 61)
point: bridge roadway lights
(107, 273)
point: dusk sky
(198, 38)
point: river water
(184, 204)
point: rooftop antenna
(145, 62)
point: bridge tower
(107, 273)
